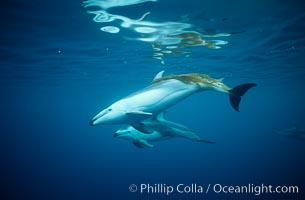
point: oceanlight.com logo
(195, 188)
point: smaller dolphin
(159, 129)
(292, 132)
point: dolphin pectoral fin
(138, 115)
(237, 92)
(142, 128)
(142, 144)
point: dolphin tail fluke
(237, 92)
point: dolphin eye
(110, 109)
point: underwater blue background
(57, 70)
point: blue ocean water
(59, 68)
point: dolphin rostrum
(163, 93)
(159, 129)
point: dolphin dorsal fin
(159, 75)
(160, 117)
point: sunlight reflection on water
(166, 38)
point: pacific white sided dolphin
(163, 93)
(292, 132)
(159, 129)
